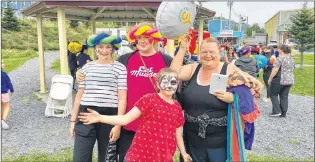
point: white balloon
(173, 19)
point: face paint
(168, 83)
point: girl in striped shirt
(103, 90)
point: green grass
(56, 66)
(304, 81)
(308, 59)
(65, 155)
(15, 58)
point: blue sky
(257, 12)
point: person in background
(83, 58)
(281, 80)
(231, 55)
(6, 89)
(72, 61)
(223, 53)
(267, 71)
(246, 63)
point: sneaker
(266, 99)
(4, 125)
(275, 114)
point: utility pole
(230, 3)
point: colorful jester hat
(104, 38)
(143, 30)
(74, 47)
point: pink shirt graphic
(138, 82)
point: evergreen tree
(9, 20)
(302, 31)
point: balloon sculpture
(104, 38)
(272, 60)
(262, 61)
(143, 30)
(174, 19)
(74, 47)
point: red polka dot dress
(155, 136)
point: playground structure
(92, 12)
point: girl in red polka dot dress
(160, 125)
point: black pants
(266, 78)
(124, 143)
(283, 92)
(72, 72)
(86, 135)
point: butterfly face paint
(168, 83)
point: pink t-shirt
(138, 82)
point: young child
(246, 63)
(104, 91)
(6, 87)
(160, 125)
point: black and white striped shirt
(102, 82)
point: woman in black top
(205, 129)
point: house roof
(110, 10)
(292, 10)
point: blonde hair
(210, 40)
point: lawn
(15, 58)
(304, 81)
(308, 58)
(66, 156)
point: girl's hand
(224, 96)
(187, 158)
(114, 133)
(72, 134)
(79, 76)
(89, 118)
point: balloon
(143, 30)
(74, 47)
(272, 60)
(174, 18)
(262, 61)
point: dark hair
(285, 48)
(84, 47)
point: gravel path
(31, 130)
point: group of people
(130, 102)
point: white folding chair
(60, 96)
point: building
(277, 26)
(218, 29)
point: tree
(249, 31)
(74, 23)
(302, 31)
(9, 20)
(257, 28)
(236, 28)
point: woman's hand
(89, 118)
(80, 76)
(224, 96)
(187, 158)
(72, 134)
(114, 133)
(185, 42)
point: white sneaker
(4, 125)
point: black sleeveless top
(196, 100)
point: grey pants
(279, 91)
